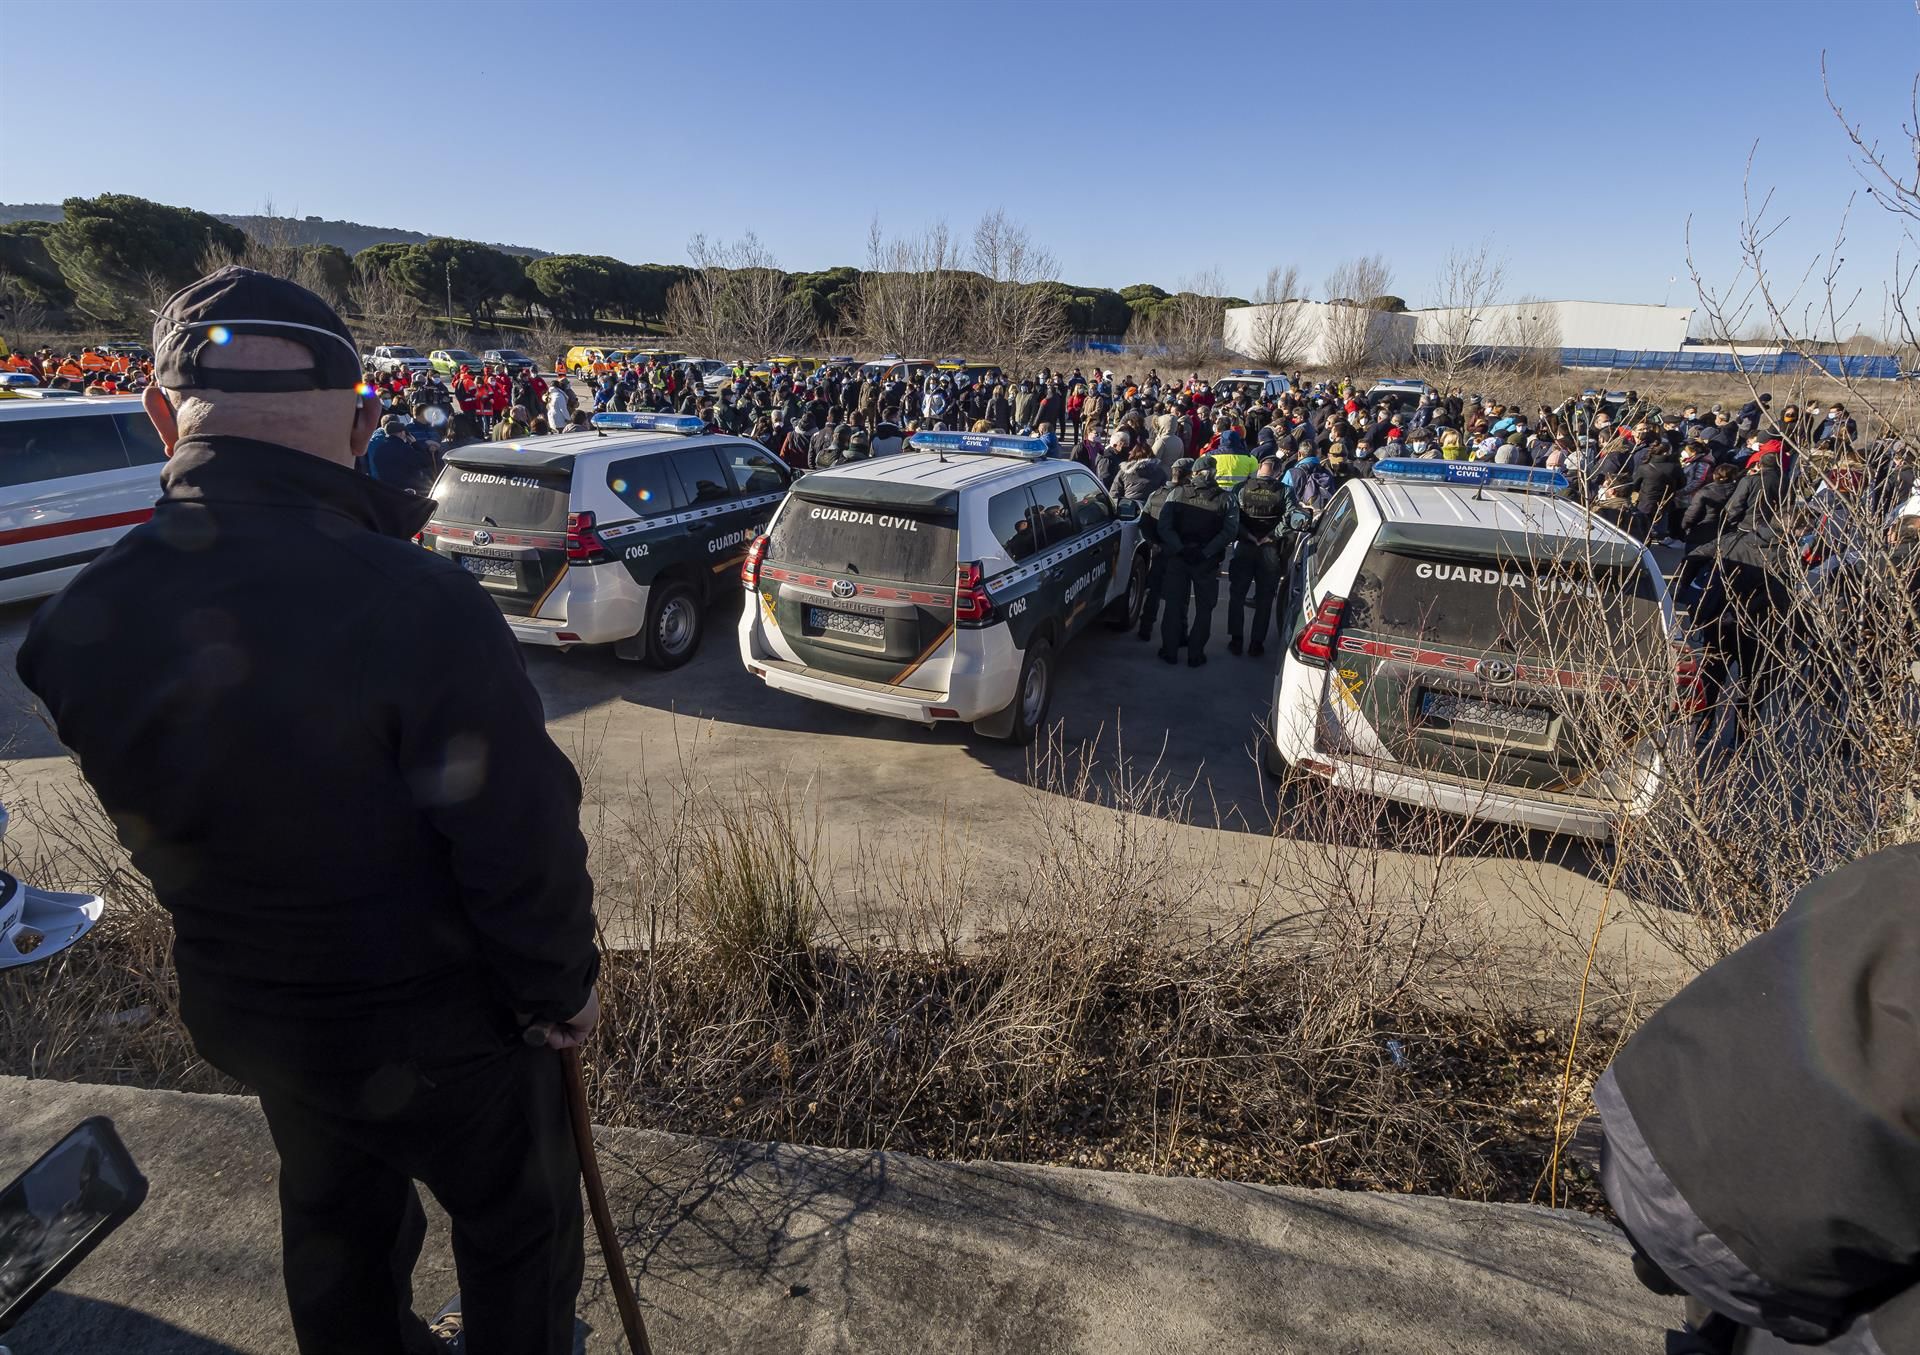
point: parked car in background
(395, 357)
(75, 474)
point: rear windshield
(901, 545)
(527, 498)
(1539, 610)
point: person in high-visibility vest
(1232, 465)
(91, 361)
(72, 370)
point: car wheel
(675, 623)
(1033, 694)
(1271, 762)
(1124, 614)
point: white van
(74, 476)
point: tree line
(113, 258)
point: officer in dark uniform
(1180, 474)
(1256, 556)
(1197, 523)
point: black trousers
(1156, 583)
(1255, 567)
(1199, 582)
(486, 1129)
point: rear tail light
(750, 567)
(971, 605)
(1689, 680)
(584, 546)
(1315, 645)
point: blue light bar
(980, 444)
(1475, 474)
(1249, 371)
(684, 424)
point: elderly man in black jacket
(1763, 1128)
(318, 741)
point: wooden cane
(597, 1201)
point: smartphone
(59, 1209)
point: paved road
(889, 801)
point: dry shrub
(1101, 1020)
(107, 1008)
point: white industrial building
(1578, 328)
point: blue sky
(1139, 142)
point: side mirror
(1127, 510)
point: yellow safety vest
(1230, 468)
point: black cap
(236, 300)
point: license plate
(487, 567)
(866, 627)
(1464, 710)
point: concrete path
(775, 1250)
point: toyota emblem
(483, 538)
(1495, 671)
(845, 588)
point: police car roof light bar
(1249, 371)
(687, 425)
(1470, 475)
(979, 444)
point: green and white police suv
(1440, 617)
(939, 584)
(619, 536)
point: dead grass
(1094, 1026)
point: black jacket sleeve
(1780, 1094)
(471, 740)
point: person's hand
(575, 1029)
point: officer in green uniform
(1197, 524)
(1181, 473)
(1256, 556)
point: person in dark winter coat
(1763, 1128)
(1658, 483)
(1139, 476)
(1758, 493)
(334, 770)
(1700, 523)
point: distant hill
(310, 230)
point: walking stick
(597, 1201)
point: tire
(675, 623)
(1124, 614)
(1032, 695)
(1271, 762)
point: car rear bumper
(979, 679)
(589, 605)
(1548, 815)
(868, 698)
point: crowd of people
(1248, 470)
(1689, 481)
